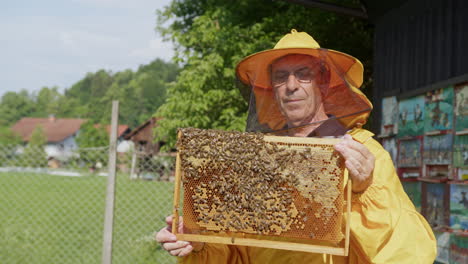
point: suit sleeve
(385, 226)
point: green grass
(58, 219)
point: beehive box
(256, 190)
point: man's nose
(292, 83)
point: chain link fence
(52, 205)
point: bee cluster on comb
(252, 184)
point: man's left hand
(358, 160)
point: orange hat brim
(254, 70)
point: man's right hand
(169, 241)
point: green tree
(140, 93)
(92, 141)
(34, 154)
(38, 139)
(8, 137)
(47, 102)
(8, 143)
(145, 92)
(89, 93)
(211, 37)
(91, 135)
(14, 106)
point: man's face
(295, 88)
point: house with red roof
(60, 133)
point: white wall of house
(61, 150)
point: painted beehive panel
(261, 186)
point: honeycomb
(238, 184)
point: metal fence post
(110, 194)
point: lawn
(59, 219)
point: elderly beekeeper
(299, 89)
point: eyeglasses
(303, 75)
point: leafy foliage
(48, 101)
(8, 137)
(140, 93)
(90, 138)
(34, 152)
(13, 106)
(38, 139)
(211, 37)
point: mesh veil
(334, 88)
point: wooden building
(143, 137)
(419, 46)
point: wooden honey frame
(341, 251)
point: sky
(56, 42)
